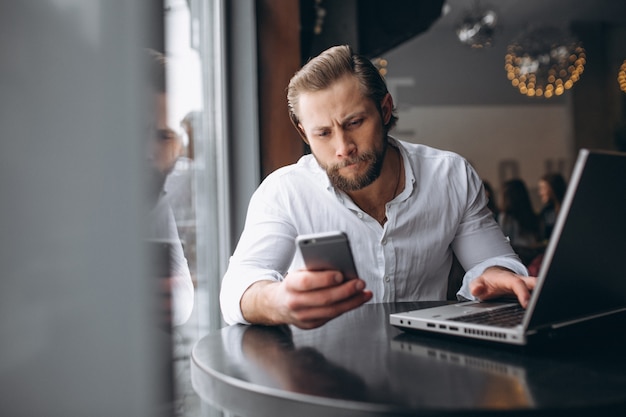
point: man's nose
(345, 144)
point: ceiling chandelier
(477, 27)
(381, 65)
(544, 62)
(621, 77)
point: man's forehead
(339, 104)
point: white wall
(501, 142)
(454, 97)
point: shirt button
(360, 215)
(386, 278)
(384, 242)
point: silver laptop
(583, 274)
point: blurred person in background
(519, 221)
(491, 199)
(552, 189)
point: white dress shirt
(162, 228)
(442, 209)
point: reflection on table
(359, 365)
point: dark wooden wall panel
(278, 26)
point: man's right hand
(306, 299)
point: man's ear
(302, 134)
(386, 107)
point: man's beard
(374, 159)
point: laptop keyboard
(509, 316)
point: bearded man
(406, 208)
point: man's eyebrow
(343, 121)
(353, 116)
(318, 128)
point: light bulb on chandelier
(478, 27)
(621, 77)
(544, 62)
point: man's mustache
(368, 156)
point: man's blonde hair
(330, 66)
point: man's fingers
(521, 292)
(531, 282)
(316, 316)
(325, 296)
(308, 299)
(483, 288)
(478, 288)
(311, 280)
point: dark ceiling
(372, 27)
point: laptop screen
(586, 258)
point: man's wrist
(499, 268)
(255, 305)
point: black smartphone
(327, 251)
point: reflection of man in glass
(164, 147)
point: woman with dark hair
(519, 221)
(491, 199)
(552, 189)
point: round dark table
(359, 365)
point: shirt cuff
(231, 293)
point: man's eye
(355, 123)
(165, 135)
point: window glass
(191, 30)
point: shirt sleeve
(479, 242)
(162, 227)
(264, 252)
(182, 286)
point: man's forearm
(256, 306)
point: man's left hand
(497, 282)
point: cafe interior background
(74, 309)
